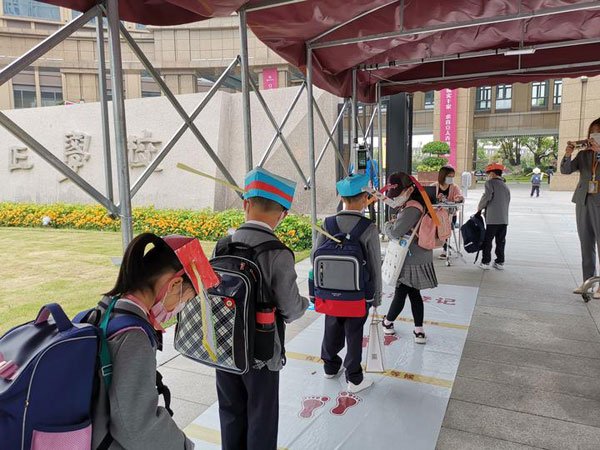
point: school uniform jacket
(136, 420)
(583, 163)
(279, 273)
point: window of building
(557, 97)
(504, 96)
(24, 96)
(24, 89)
(150, 87)
(483, 100)
(539, 94)
(51, 87)
(31, 8)
(429, 99)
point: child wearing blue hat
(352, 223)
(249, 403)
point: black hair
(266, 205)
(444, 172)
(595, 123)
(497, 172)
(140, 269)
(403, 181)
(354, 198)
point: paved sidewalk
(530, 372)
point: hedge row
(207, 225)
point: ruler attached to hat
(239, 189)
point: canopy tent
(360, 49)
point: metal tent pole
(247, 115)
(104, 106)
(116, 73)
(354, 124)
(311, 141)
(381, 175)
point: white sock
(387, 323)
(419, 330)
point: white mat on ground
(404, 409)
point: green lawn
(70, 267)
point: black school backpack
(235, 325)
(473, 233)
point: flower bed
(294, 231)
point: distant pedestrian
(550, 173)
(536, 181)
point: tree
(510, 149)
(435, 161)
(542, 147)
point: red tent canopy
(410, 45)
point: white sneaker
(355, 388)
(419, 338)
(335, 375)
(485, 266)
(388, 329)
(498, 266)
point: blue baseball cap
(352, 185)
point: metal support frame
(330, 138)
(311, 141)
(120, 127)
(104, 106)
(354, 118)
(382, 179)
(458, 25)
(247, 112)
(279, 131)
(188, 121)
(286, 146)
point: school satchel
(49, 369)
(234, 324)
(341, 283)
(473, 234)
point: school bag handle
(53, 309)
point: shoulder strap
(360, 228)
(124, 322)
(414, 204)
(223, 245)
(331, 225)
(271, 246)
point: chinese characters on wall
(76, 151)
(19, 159)
(448, 121)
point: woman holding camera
(586, 197)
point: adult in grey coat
(495, 201)
(587, 203)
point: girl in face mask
(418, 271)
(446, 190)
(153, 285)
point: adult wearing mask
(586, 198)
(446, 190)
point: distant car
(480, 175)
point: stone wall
(74, 133)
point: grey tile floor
(529, 376)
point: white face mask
(449, 180)
(402, 198)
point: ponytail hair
(595, 123)
(140, 268)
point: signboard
(270, 78)
(448, 109)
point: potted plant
(430, 166)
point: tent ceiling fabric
(425, 32)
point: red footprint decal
(345, 401)
(311, 404)
(365, 341)
(389, 339)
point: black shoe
(388, 329)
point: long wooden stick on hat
(238, 189)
